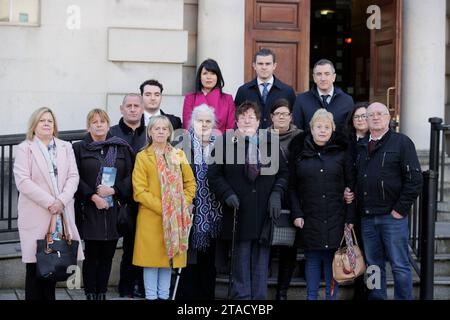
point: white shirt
(379, 138)
(147, 115)
(321, 93)
(261, 88)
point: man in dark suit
(323, 95)
(151, 91)
(265, 89)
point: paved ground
(61, 294)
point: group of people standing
(336, 166)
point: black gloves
(232, 201)
(275, 205)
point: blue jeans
(250, 271)
(313, 270)
(157, 283)
(384, 238)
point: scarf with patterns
(208, 211)
(175, 212)
(111, 155)
(49, 153)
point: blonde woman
(321, 169)
(46, 176)
(164, 186)
(100, 155)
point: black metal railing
(8, 190)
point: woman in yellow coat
(164, 186)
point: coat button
(321, 170)
(324, 196)
(326, 246)
(365, 193)
(254, 190)
(367, 211)
(365, 176)
(324, 221)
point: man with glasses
(388, 182)
(323, 95)
(265, 89)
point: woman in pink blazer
(39, 202)
(208, 90)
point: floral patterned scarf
(176, 218)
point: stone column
(221, 31)
(423, 69)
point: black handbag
(125, 221)
(283, 231)
(53, 257)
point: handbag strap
(353, 236)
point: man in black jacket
(388, 182)
(265, 89)
(323, 95)
(151, 91)
(131, 128)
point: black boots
(95, 296)
(91, 296)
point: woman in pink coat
(208, 90)
(46, 176)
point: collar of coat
(276, 83)
(364, 142)
(337, 91)
(42, 163)
(302, 145)
(126, 129)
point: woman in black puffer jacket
(321, 168)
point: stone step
(442, 238)
(297, 290)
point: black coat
(390, 178)
(97, 224)
(228, 177)
(135, 138)
(250, 91)
(174, 120)
(307, 103)
(318, 179)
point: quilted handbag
(283, 232)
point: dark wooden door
(385, 55)
(282, 26)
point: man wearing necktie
(265, 89)
(323, 95)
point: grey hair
(141, 100)
(323, 62)
(321, 114)
(203, 108)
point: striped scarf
(175, 212)
(110, 159)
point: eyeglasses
(378, 114)
(249, 118)
(362, 117)
(281, 114)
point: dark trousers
(97, 265)
(35, 288)
(250, 271)
(198, 280)
(130, 275)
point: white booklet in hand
(108, 179)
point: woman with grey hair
(197, 280)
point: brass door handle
(388, 100)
